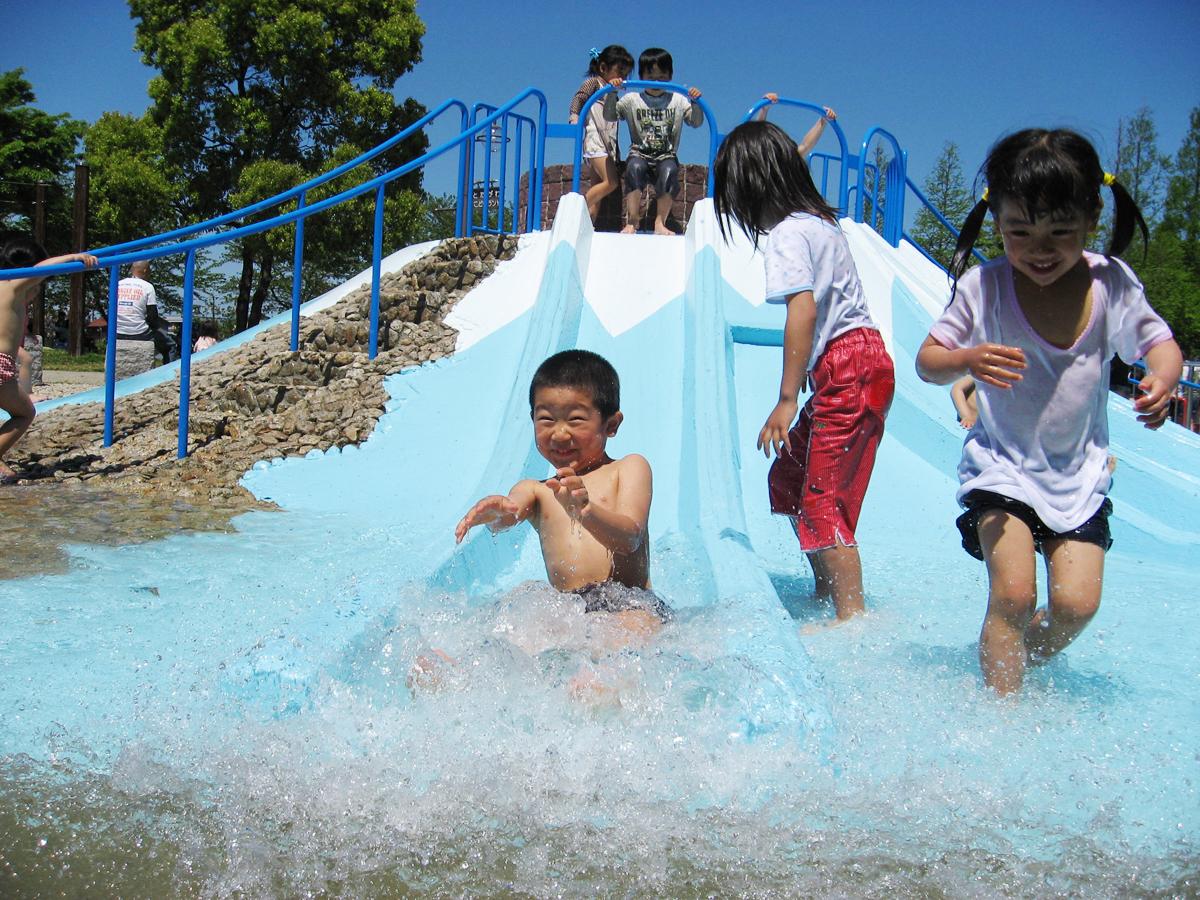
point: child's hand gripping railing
(575, 132)
(843, 191)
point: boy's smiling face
(569, 430)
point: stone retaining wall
(262, 400)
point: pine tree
(946, 190)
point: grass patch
(61, 360)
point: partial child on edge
(1037, 329)
(655, 118)
(600, 146)
(591, 515)
(19, 252)
(824, 463)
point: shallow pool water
(256, 734)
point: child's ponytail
(967, 237)
(1125, 216)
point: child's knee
(1074, 607)
(1013, 602)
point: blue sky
(927, 71)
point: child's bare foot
(660, 228)
(7, 475)
(629, 229)
(429, 671)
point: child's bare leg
(604, 184)
(662, 209)
(823, 587)
(1075, 572)
(21, 412)
(842, 569)
(1012, 594)
(633, 212)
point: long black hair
(760, 179)
(610, 56)
(1047, 173)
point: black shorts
(664, 173)
(609, 596)
(1094, 531)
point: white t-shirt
(808, 253)
(133, 296)
(1044, 441)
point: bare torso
(574, 557)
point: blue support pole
(297, 265)
(185, 360)
(503, 171)
(110, 355)
(376, 260)
(518, 225)
(462, 208)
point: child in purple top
(1037, 329)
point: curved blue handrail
(671, 86)
(893, 213)
(843, 194)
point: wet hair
(655, 58)
(612, 56)
(760, 179)
(585, 371)
(206, 328)
(1047, 173)
(19, 251)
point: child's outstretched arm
(88, 260)
(797, 347)
(814, 134)
(498, 512)
(610, 99)
(622, 529)
(1164, 368)
(993, 364)
(761, 115)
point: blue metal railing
(498, 135)
(941, 219)
(481, 124)
(895, 178)
(113, 257)
(575, 132)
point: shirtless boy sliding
(591, 514)
(18, 252)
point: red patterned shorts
(8, 368)
(822, 480)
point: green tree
(258, 95)
(134, 192)
(1171, 270)
(1138, 164)
(35, 146)
(946, 190)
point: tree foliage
(256, 96)
(35, 146)
(946, 190)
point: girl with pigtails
(600, 149)
(1037, 329)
